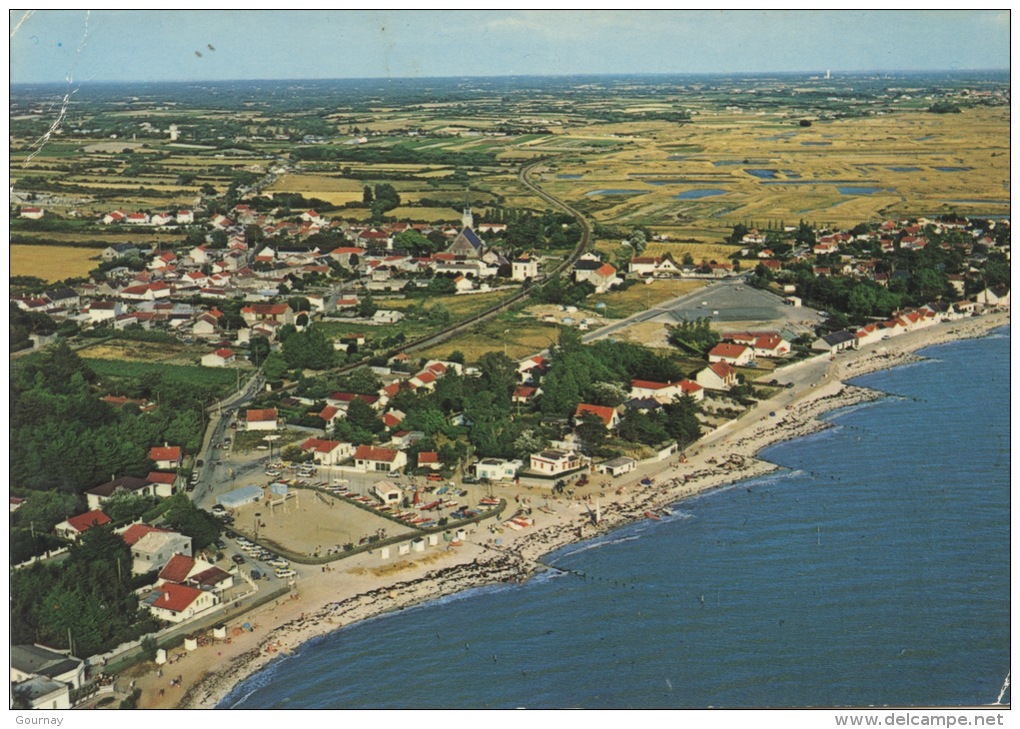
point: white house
(177, 603)
(75, 526)
(523, 268)
(497, 469)
(734, 354)
(374, 458)
(609, 417)
(167, 457)
(99, 494)
(328, 452)
(665, 392)
(31, 213)
(219, 358)
(155, 549)
(267, 419)
(717, 376)
(554, 463)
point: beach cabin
(617, 466)
(387, 492)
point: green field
(224, 380)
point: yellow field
(519, 339)
(316, 184)
(52, 263)
(130, 351)
(888, 166)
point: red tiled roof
(319, 445)
(177, 568)
(606, 270)
(723, 369)
(261, 416)
(372, 453)
(329, 412)
(137, 531)
(176, 598)
(428, 457)
(727, 350)
(212, 576)
(648, 384)
(161, 477)
(170, 453)
(224, 353)
(84, 522)
(605, 413)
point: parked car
(256, 575)
(219, 509)
(469, 479)
(285, 573)
(279, 563)
(238, 559)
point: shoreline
(360, 588)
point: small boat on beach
(652, 515)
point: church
(467, 246)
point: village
(415, 453)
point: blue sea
(873, 569)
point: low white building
(497, 469)
(156, 548)
(177, 603)
(554, 462)
(267, 419)
(219, 358)
(328, 452)
(617, 466)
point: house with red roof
(167, 456)
(219, 358)
(163, 482)
(375, 458)
(429, 459)
(609, 417)
(524, 394)
(734, 354)
(393, 418)
(665, 392)
(327, 452)
(261, 419)
(177, 603)
(75, 526)
(330, 414)
(135, 532)
(717, 376)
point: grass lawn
(640, 297)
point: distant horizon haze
(137, 46)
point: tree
(258, 349)
(638, 242)
(308, 349)
(183, 516)
(592, 432)
(367, 198)
(363, 381)
(275, 367)
(367, 307)
(44, 509)
(682, 420)
(361, 416)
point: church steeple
(468, 220)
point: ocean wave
(598, 544)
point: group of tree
(693, 336)
(64, 436)
(85, 603)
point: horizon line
(812, 72)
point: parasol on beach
(417, 499)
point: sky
(195, 45)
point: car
(238, 559)
(199, 463)
(281, 564)
(285, 573)
(395, 474)
(262, 448)
(220, 544)
(256, 575)
(219, 509)
(226, 441)
(190, 487)
(469, 480)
